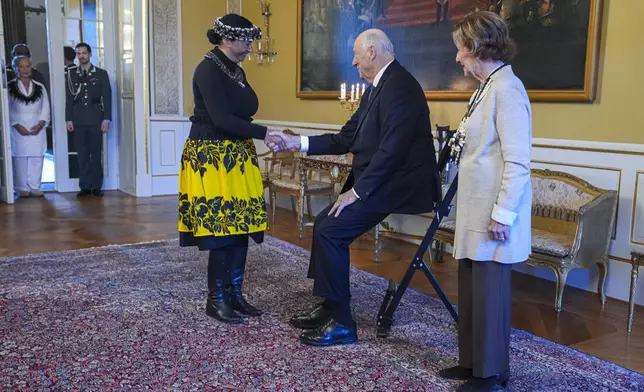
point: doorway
(47, 28)
(25, 23)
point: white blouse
(27, 107)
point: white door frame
(56, 37)
(6, 171)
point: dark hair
(486, 36)
(16, 46)
(70, 53)
(231, 20)
(84, 45)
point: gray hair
(15, 62)
(378, 39)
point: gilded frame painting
(558, 42)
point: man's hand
(344, 200)
(279, 141)
(70, 126)
(274, 141)
(498, 231)
(105, 126)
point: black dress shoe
(477, 384)
(330, 334)
(97, 192)
(456, 373)
(83, 193)
(312, 319)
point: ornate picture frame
(558, 44)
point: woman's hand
(21, 130)
(36, 128)
(498, 231)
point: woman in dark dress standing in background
(221, 195)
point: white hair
(379, 40)
(15, 62)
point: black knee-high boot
(235, 299)
(216, 306)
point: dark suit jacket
(394, 163)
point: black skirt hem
(217, 242)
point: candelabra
(263, 53)
(352, 102)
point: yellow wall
(617, 115)
(196, 18)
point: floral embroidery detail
(199, 153)
(220, 216)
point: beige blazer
(494, 173)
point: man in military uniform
(88, 114)
(69, 56)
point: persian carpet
(131, 318)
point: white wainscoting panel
(637, 236)
(166, 145)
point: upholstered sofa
(572, 226)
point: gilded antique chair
(572, 226)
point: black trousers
(330, 257)
(484, 309)
(89, 144)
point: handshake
(278, 140)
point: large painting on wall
(557, 41)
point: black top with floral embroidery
(224, 101)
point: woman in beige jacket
(492, 147)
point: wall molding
(561, 144)
(234, 7)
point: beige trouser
(27, 173)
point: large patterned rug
(130, 318)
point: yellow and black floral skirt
(221, 194)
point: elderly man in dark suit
(394, 171)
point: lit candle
(343, 91)
(362, 90)
(353, 92)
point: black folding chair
(393, 295)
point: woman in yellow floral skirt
(221, 196)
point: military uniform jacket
(89, 96)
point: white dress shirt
(304, 140)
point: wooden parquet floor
(59, 222)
